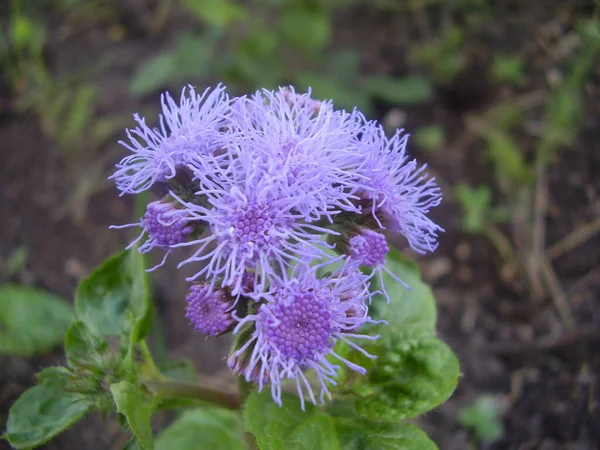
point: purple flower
(369, 248)
(308, 141)
(397, 193)
(297, 328)
(165, 227)
(187, 131)
(210, 310)
(255, 224)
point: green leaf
(217, 13)
(115, 289)
(414, 372)
(477, 206)
(31, 320)
(153, 74)
(203, 428)
(307, 29)
(414, 306)
(507, 158)
(287, 427)
(406, 91)
(508, 69)
(316, 432)
(137, 408)
(191, 57)
(362, 435)
(44, 411)
(82, 344)
(483, 418)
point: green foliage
(482, 417)
(133, 403)
(217, 13)
(430, 138)
(443, 58)
(82, 344)
(114, 289)
(203, 428)
(508, 161)
(508, 69)
(477, 207)
(414, 372)
(408, 307)
(111, 302)
(191, 57)
(564, 109)
(288, 427)
(16, 261)
(356, 434)
(45, 410)
(406, 91)
(31, 320)
(280, 43)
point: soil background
(546, 374)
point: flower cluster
(265, 190)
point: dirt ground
(546, 373)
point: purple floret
(210, 310)
(298, 327)
(398, 193)
(186, 131)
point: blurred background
(502, 99)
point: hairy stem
(172, 390)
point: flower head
(187, 131)
(210, 310)
(309, 143)
(164, 227)
(396, 192)
(369, 248)
(256, 225)
(297, 328)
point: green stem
(182, 390)
(145, 351)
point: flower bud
(210, 309)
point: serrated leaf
(361, 435)
(317, 432)
(133, 403)
(287, 427)
(81, 343)
(114, 290)
(45, 410)
(414, 372)
(31, 320)
(414, 306)
(203, 428)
